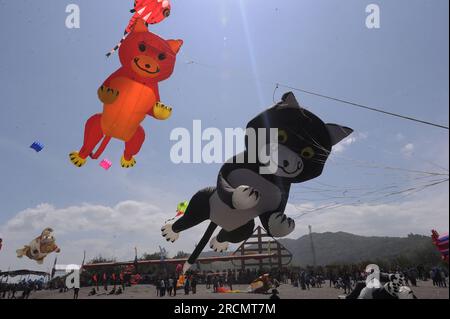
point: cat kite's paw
(161, 111)
(107, 95)
(76, 159)
(127, 164)
(280, 225)
(218, 246)
(168, 233)
(245, 197)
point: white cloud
(408, 150)
(115, 231)
(399, 137)
(96, 229)
(129, 215)
(346, 143)
(418, 215)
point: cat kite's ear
(289, 99)
(338, 133)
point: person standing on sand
(230, 281)
(122, 280)
(187, 285)
(162, 286)
(114, 279)
(158, 287)
(167, 286)
(443, 279)
(433, 277)
(170, 286)
(347, 283)
(438, 278)
(215, 283)
(105, 281)
(175, 286)
(303, 280)
(75, 293)
(194, 285)
(95, 280)
(13, 290)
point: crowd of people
(343, 278)
(21, 289)
(188, 284)
(439, 277)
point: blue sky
(241, 48)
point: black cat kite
(243, 193)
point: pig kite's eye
(142, 47)
(162, 56)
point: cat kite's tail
(200, 246)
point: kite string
(335, 205)
(275, 91)
(364, 106)
(347, 102)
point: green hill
(343, 248)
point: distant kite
(106, 164)
(37, 146)
(181, 208)
(441, 242)
(40, 247)
(151, 11)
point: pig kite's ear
(175, 45)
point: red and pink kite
(441, 242)
(151, 11)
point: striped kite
(151, 11)
(441, 242)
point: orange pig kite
(130, 94)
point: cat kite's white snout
(289, 163)
(292, 165)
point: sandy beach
(425, 290)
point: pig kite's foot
(127, 164)
(76, 159)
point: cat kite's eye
(307, 152)
(282, 136)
